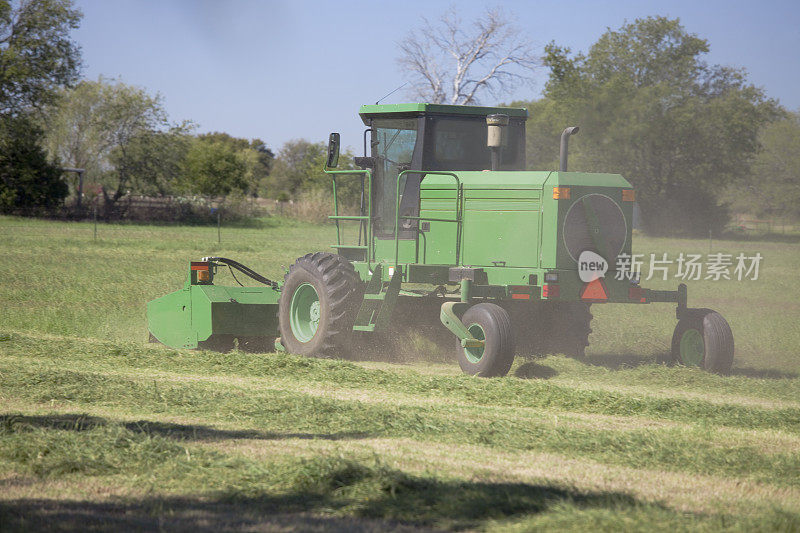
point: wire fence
(219, 228)
(160, 209)
(137, 217)
(767, 226)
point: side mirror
(333, 151)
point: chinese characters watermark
(693, 267)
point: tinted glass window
(459, 143)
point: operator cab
(430, 137)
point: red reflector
(636, 293)
(594, 290)
(199, 265)
(550, 291)
(520, 296)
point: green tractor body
(454, 234)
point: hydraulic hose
(247, 271)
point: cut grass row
(104, 356)
(179, 472)
(695, 446)
(234, 487)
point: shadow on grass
(74, 422)
(369, 499)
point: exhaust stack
(572, 130)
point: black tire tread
(503, 365)
(498, 364)
(341, 284)
(717, 338)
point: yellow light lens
(628, 195)
(560, 193)
(203, 275)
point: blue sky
(284, 70)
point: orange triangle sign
(594, 290)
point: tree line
(696, 140)
(119, 135)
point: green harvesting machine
(453, 239)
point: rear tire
(318, 304)
(703, 338)
(491, 323)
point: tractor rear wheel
(491, 324)
(703, 338)
(318, 304)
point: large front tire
(703, 338)
(490, 323)
(318, 303)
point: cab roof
(388, 110)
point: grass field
(100, 430)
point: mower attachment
(204, 315)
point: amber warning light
(203, 271)
(561, 193)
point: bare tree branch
(448, 64)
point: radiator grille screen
(610, 226)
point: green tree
(36, 59)
(36, 54)
(154, 160)
(214, 168)
(73, 132)
(299, 167)
(651, 109)
(772, 189)
(96, 124)
(257, 157)
(27, 178)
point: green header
(367, 111)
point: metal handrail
(397, 217)
(429, 219)
(362, 218)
